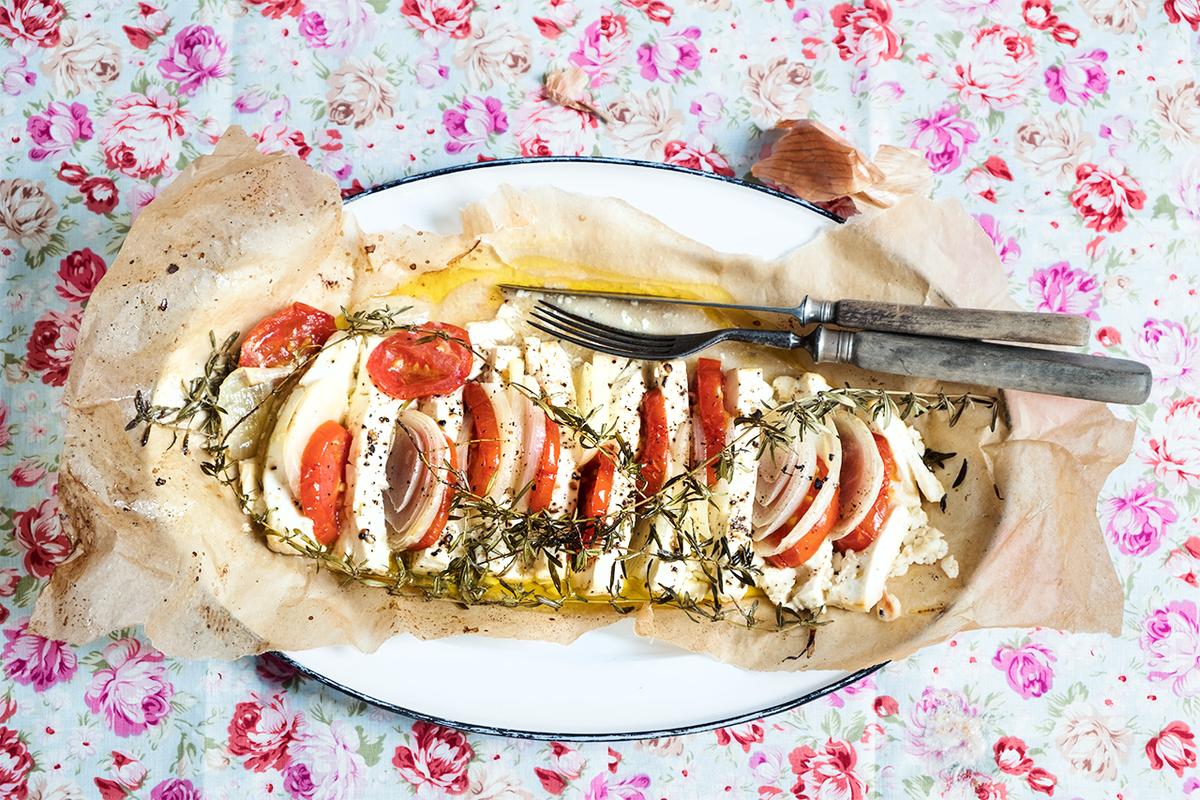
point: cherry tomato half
(710, 402)
(434, 358)
(804, 549)
(286, 336)
(547, 470)
(868, 530)
(595, 491)
(652, 455)
(322, 465)
(483, 452)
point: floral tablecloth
(1071, 131)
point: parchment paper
(239, 234)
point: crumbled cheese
(950, 567)
(922, 545)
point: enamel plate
(609, 684)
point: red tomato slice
(432, 359)
(861, 537)
(652, 456)
(710, 402)
(322, 465)
(286, 336)
(483, 453)
(547, 470)
(595, 491)
(804, 549)
(443, 514)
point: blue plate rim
(622, 736)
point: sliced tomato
(443, 513)
(434, 358)
(483, 453)
(547, 469)
(286, 336)
(322, 465)
(652, 454)
(804, 549)
(861, 537)
(710, 408)
(595, 491)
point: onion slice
(417, 471)
(508, 423)
(829, 450)
(861, 473)
(533, 441)
(791, 484)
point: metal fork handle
(1031, 369)
(959, 323)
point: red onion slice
(829, 450)
(533, 441)
(415, 491)
(793, 485)
(861, 473)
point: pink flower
(1184, 562)
(472, 122)
(143, 133)
(277, 137)
(1171, 640)
(51, 344)
(15, 765)
(544, 129)
(429, 72)
(566, 760)
(175, 789)
(627, 789)
(1065, 290)
(1183, 11)
(57, 129)
(993, 68)
(132, 691)
(1009, 752)
(263, 731)
(99, 194)
(968, 783)
(10, 578)
(701, 155)
(670, 57)
(335, 25)
(746, 734)
(273, 669)
(838, 698)
(17, 77)
(1172, 349)
(78, 274)
(36, 661)
(769, 765)
(130, 772)
(1039, 780)
(27, 472)
(601, 47)
(1079, 79)
(944, 727)
(438, 758)
(1175, 452)
(1007, 248)
(553, 782)
(826, 774)
(1103, 196)
(1173, 747)
(326, 764)
(944, 138)
(196, 56)
(1028, 668)
(886, 705)
(1138, 521)
(39, 530)
(439, 17)
(864, 35)
(35, 22)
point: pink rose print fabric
(1069, 131)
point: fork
(1031, 369)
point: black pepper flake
(163, 305)
(962, 473)
(160, 481)
(172, 269)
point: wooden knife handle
(1031, 369)
(962, 323)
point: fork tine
(591, 324)
(591, 331)
(590, 344)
